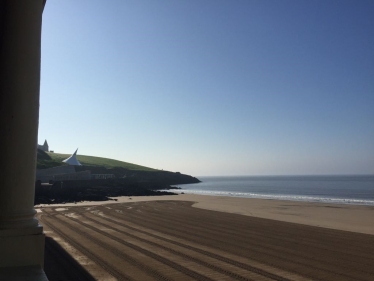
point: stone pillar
(21, 237)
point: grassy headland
(49, 160)
(130, 180)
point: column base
(23, 273)
(22, 247)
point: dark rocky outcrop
(126, 183)
(95, 190)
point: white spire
(72, 160)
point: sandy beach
(195, 237)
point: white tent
(72, 160)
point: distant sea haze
(355, 189)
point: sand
(195, 237)
(356, 218)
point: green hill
(129, 180)
(49, 160)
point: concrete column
(21, 237)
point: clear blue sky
(212, 87)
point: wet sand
(220, 238)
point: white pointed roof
(72, 160)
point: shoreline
(292, 198)
(346, 217)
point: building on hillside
(102, 176)
(46, 175)
(68, 173)
(83, 175)
(44, 147)
(72, 160)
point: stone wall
(45, 175)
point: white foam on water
(279, 197)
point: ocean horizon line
(291, 175)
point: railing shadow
(59, 265)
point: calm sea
(357, 190)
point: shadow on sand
(60, 265)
